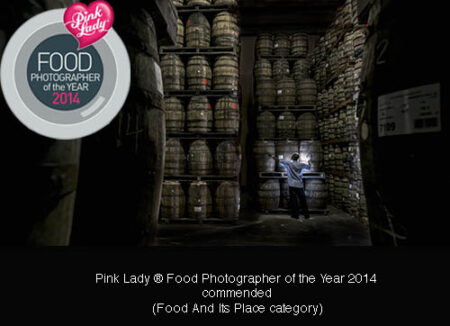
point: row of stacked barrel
(214, 164)
(336, 66)
(340, 125)
(200, 204)
(198, 31)
(342, 159)
(283, 79)
(197, 159)
(339, 51)
(286, 126)
(274, 194)
(196, 115)
(279, 81)
(197, 75)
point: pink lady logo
(89, 23)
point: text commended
(238, 294)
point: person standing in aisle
(295, 171)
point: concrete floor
(255, 229)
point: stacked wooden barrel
(225, 30)
(263, 151)
(286, 97)
(228, 159)
(175, 115)
(307, 92)
(175, 158)
(173, 201)
(180, 33)
(198, 2)
(227, 115)
(286, 92)
(200, 161)
(264, 44)
(281, 44)
(225, 2)
(266, 125)
(198, 74)
(286, 125)
(269, 194)
(226, 73)
(266, 93)
(281, 69)
(199, 201)
(173, 72)
(199, 115)
(336, 67)
(201, 80)
(178, 3)
(299, 44)
(228, 200)
(263, 69)
(306, 126)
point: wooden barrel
(199, 115)
(173, 200)
(299, 44)
(307, 92)
(286, 125)
(227, 115)
(178, 3)
(180, 33)
(316, 192)
(198, 31)
(286, 92)
(301, 69)
(199, 201)
(225, 2)
(226, 73)
(225, 30)
(306, 126)
(264, 44)
(200, 160)
(266, 124)
(266, 93)
(284, 194)
(175, 115)
(263, 69)
(173, 72)
(228, 200)
(281, 44)
(262, 150)
(175, 163)
(312, 151)
(284, 150)
(198, 2)
(228, 159)
(269, 194)
(280, 69)
(198, 73)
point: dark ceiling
(289, 15)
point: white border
(49, 129)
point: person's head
(295, 157)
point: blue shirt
(295, 172)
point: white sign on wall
(412, 111)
